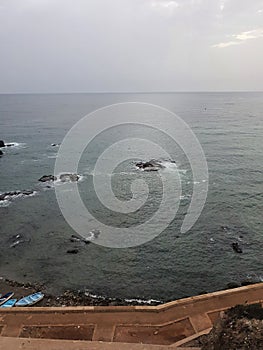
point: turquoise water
(229, 127)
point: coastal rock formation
(2, 144)
(75, 239)
(151, 165)
(46, 178)
(9, 195)
(69, 177)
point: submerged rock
(237, 248)
(1, 153)
(72, 251)
(46, 178)
(2, 144)
(18, 239)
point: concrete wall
(164, 324)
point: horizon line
(128, 92)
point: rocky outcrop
(2, 144)
(75, 239)
(69, 177)
(151, 165)
(9, 195)
(46, 178)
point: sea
(35, 237)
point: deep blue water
(229, 127)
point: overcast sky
(130, 45)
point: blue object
(9, 303)
(30, 299)
(6, 297)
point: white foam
(139, 301)
(15, 145)
(142, 301)
(4, 203)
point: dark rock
(2, 144)
(69, 177)
(72, 251)
(46, 178)
(54, 144)
(27, 193)
(237, 248)
(7, 195)
(151, 165)
(1, 153)
(9, 144)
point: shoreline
(69, 297)
(84, 297)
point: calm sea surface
(229, 127)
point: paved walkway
(41, 344)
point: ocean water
(35, 237)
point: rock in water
(9, 195)
(2, 144)
(69, 177)
(151, 165)
(46, 178)
(1, 153)
(237, 248)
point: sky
(130, 45)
